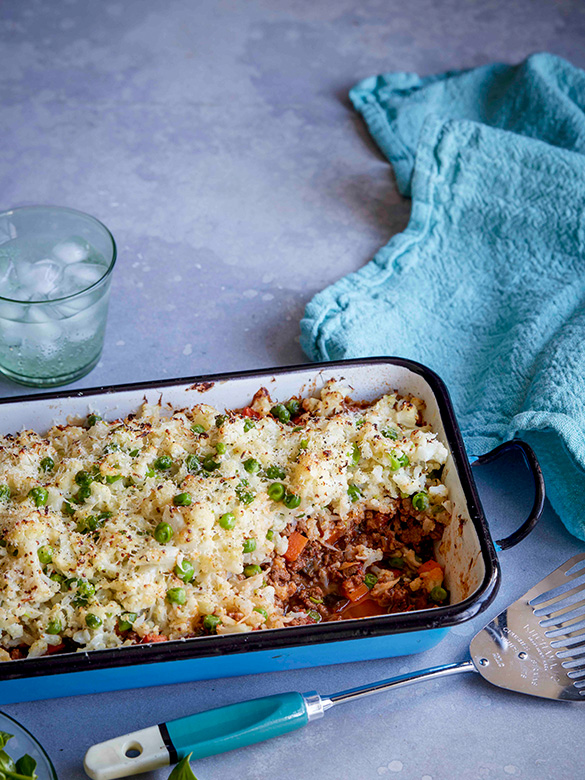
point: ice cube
(41, 279)
(38, 314)
(10, 333)
(80, 276)
(85, 324)
(12, 311)
(72, 250)
(40, 328)
(6, 266)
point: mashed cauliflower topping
(165, 525)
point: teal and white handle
(235, 726)
(204, 734)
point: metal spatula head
(537, 645)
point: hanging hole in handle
(133, 750)
(539, 489)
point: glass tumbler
(55, 271)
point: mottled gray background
(215, 139)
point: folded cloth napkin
(487, 283)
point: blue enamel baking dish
(466, 550)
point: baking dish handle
(539, 489)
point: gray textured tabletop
(216, 141)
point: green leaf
(4, 737)
(183, 770)
(26, 766)
(6, 763)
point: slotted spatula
(535, 646)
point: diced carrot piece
(428, 566)
(247, 411)
(363, 608)
(296, 545)
(355, 594)
(148, 638)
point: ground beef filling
(328, 581)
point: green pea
(209, 464)
(355, 455)
(270, 535)
(293, 406)
(183, 499)
(390, 433)
(393, 462)
(92, 621)
(192, 464)
(126, 621)
(93, 419)
(354, 493)
(249, 545)
(314, 615)
(304, 443)
(281, 413)
(85, 591)
(56, 577)
(134, 453)
(4, 492)
(39, 495)
(83, 478)
(396, 563)
(275, 472)
(111, 478)
(163, 533)
(82, 494)
(251, 465)
(185, 570)
(47, 464)
(176, 596)
(54, 626)
(292, 501)
(251, 569)
(227, 521)
(439, 594)
(248, 425)
(197, 428)
(219, 420)
(420, 501)
(163, 462)
(276, 491)
(261, 611)
(45, 554)
(370, 580)
(211, 622)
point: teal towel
(487, 283)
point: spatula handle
(204, 734)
